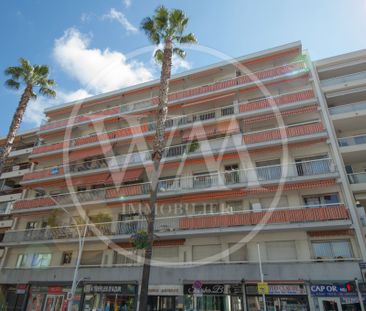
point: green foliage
(193, 145)
(139, 239)
(101, 218)
(52, 219)
(34, 76)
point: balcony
(219, 181)
(173, 153)
(5, 207)
(352, 140)
(15, 170)
(186, 223)
(349, 108)
(288, 132)
(264, 75)
(355, 77)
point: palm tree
(32, 77)
(165, 28)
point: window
(166, 253)
(22, 260)
(282, 250)
(66, 258)
(268, 202)
(312, 166)
(202, 252)
(201, 209)
(41, 260)
(31, 225)
(319, 200)
(232, 174)
(239, 254)
(234, 206)
(121, 259)
(91, 258)
(268, 170)
(332, 249)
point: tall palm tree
(33, 78)
(165, 28)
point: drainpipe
(338, 159)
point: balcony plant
(193, 146)
(139, 239)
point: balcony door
(312, 166)
(128, 223)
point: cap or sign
(263, 288)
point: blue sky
(78, 38)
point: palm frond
(187, 39)
(177, 21)
(161, 19)
(27, 67)
(47, 91)
(158, 56)
(41, 70)
(12, 84)
(180, 52)
(15, 72)
(148, 26)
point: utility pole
(262, 277)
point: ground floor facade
(214, 287)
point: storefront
(213, 297)
(335, 296)
(281, 297)
(51, 298)
(165, 298)
(109, 297)
(16, 297)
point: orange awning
(125, 176)
(85, 153)
(200, 132)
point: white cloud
(121, 19)
(86, 17)
(127, 3)
(34, 113)
(97, 70)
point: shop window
(319, 200)
(237, 252)
(166, 253)
(91, 258)
(332, 249)
(203, 252)
(281, 250)
(66, 258)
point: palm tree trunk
(15, 123)
(158, 150)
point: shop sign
(165, 290)
(111, 289)
(205, 289)
(278, 289)
(21, 289)
(55, 290)
(328, 290)
(263, 288)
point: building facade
(252, 171)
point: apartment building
(252, 172)
(10, 188)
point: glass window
(121, 259)
(332, 249)
(234, 206)
(41, 260)
(318, 200)
(166, 253)
(31, 225)
(90, 258)
(22, 260)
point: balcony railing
(352, 140)
(215, 114)
(216, 86)
(4, 207)
(290, 131)
(15, 168)
(112, 163)
(344, 79)
(354, 107)
(357, 178)
(181, 223)
(218, 180)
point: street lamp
(81, 237)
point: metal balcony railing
(357, 178)
(177, 223)
(295, 67)
(344, 79)
(187, 184)
(352, 140)
(354, 107)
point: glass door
(53, 303)
(330, 304)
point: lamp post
(81, 237)
(262, 277)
